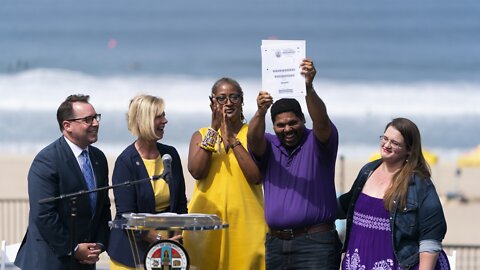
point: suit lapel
(72, 164)
(96, 169)
(146, 188)
(77, 174)
(99, 179)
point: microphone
(167, 168)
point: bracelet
(206, 147)
(209, 140)
(236, 143)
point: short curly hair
(286, 105)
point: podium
(164, 254)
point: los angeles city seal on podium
(166, 255)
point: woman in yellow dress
(228, 185)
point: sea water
(375, 60)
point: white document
(281, 68)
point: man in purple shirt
(298, 165)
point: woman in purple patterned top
(394, 216)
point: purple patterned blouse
(370, 244)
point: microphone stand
(73, 204)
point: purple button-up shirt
(300, 187)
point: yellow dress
(226, 193)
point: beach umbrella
(429, 156)
(470, 159)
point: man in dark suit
(54, 240)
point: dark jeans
(317, 251)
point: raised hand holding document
(281, 67)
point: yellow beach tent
(470, 159)
(430, 157)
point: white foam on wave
(422, 98)
(44, 89)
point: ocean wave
(44, 89)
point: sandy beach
(462, 222)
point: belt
(288, 234)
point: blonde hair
(142, 111)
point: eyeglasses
(88, 119)
(234, 98)
(384, 139)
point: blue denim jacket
(419, 227)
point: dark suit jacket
(140, 198)
(47, 243)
